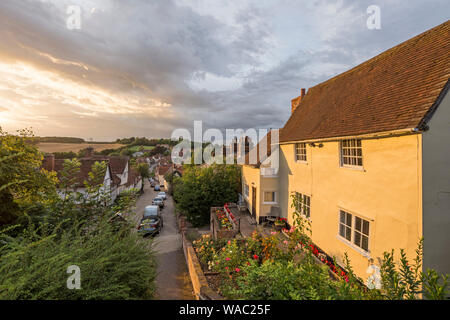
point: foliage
(72, 228)
(405, 280)
(22, 184)
(65, 155)
(144, 171)
(114, 265)
(265, 267)
(60, 139)
(224, 222)
(201, 188)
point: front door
(253, 201)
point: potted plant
(280, 223)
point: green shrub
(114, 265)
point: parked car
(152, 184)
(150, 226)
(157, 188)
(162, 195)
(151, 211)
(161, 186)
(158, 202)
(152, 222)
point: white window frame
(303, 156)
(303, 205)
(274, 197)
(353, 231)
(351, 147)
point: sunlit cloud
(144, 68)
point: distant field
(136, 148)
(75, 147)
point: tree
(22, 182)
(201, 188)
(144, 171)
(74, 229)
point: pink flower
(285, 242)
(228, 259)
(226, 268)
(237, 269)
(229, 242)
(273, 232)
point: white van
(151, 211)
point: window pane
(357, 240)
(268, 196)
(357, 223)
(342, 230)
(349, 219)
(365, 243)
(348, 234)
(366, 227)
(342, 217)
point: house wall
(251, 177)
(268, 184)
(387, 192)
(436, 190)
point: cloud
(147, 67)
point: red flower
(255, 257)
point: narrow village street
(172, 281)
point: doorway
(253, 202)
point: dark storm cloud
(135, 61)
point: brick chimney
(49, 162)
(296, 102)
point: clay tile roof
(133, 177)
(117, 164)
(395, 90)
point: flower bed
(224, 221)
(268, 261)
(221, 225)
(320, 255)
(229, 214)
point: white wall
(436, 189)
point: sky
(145, 68)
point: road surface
(172, 281)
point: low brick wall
(200, 285)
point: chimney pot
(49, 162)
(303, 92)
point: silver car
(158, 202)
(162, 195)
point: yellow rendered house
(369, 153)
